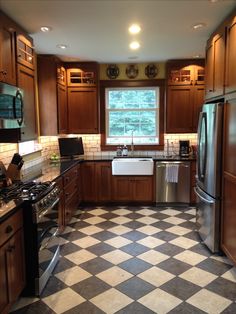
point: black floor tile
(135, 266)
(163, 225)
(135, 288)
(135, 308)
(185, 216)
(53, 285)
(201, 248)
(134, 224)
(174, 266)
(68, 248)
(103, 235)
(193, 235)
(188, 224)
(96, 265)
(230, 309)
(108, 216)
(79, 224)
(213, 266)
(106, 225)
(223, 287)
(100, 248)
(63, 264)
(169, 249)
(134, 249)
(134, 216)
(85, 308)
(185, 308)
(165, 236)
(180, 288)
(91, 287)
(37, 307)
(72, 236)
(134, 235)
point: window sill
(136, 147)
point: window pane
(132, 112)
(132, 99)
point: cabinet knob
(8, 229)
(210, 90)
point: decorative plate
(151, 71)
(132, 71)
(113, 71)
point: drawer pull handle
(9, 229)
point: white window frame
(157, 109)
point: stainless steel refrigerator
(208, 177)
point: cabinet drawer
(70, 190)
(10, 226)
(70, 174)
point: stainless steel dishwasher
(169, 190)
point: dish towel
(172, 173)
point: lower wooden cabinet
(89, 182)
(12, 265)
(133, 188)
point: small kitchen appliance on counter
(184, 148)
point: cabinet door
(230, 58)
(25, 51)
(7, 55)
(104, 179)
(62, 109)
(122, 188)
(3, 279)
(82, 110)
(215, 65)
(179, 109)
(142, 188)
(228, 237)
(89, 182)
(15, 265)
(26, 82)
(198, 100)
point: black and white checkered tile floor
(140, 260)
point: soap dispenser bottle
(125, 151)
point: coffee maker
(184, 148)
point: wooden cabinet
(25, 51)
(82, 82)
(12, 266)
(185, 95)
(7, 51)
(26, 81)
(230, 78)
(183, 107)
(228, 219)
(82, 110)
(133, 188)
(89, 182)
(215, 64)
(71, 192)
(104, 181)
(52, 95)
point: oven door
(48, 245)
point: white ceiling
(97, 30)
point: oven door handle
(42, 247)
(41, 214)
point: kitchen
(144, 258)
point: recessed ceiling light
(45, 29)
(133, 57)
(134, 29)
(134, 45)
(197, 56)
(62, 46)
(199, 25)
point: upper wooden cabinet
(82, 110)
(230, 77)
(185, 95)
(215, 60)
(82, 82)
(25, 51)
(7, 51)
(220, 60)
(52, 95)
(180, 74)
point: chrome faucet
(132, 144)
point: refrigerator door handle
(202, 198)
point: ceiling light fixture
(199, 25)
(134, 45)
(62, 46)
(45, 29)
(134, 29)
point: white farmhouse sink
(132, 166)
